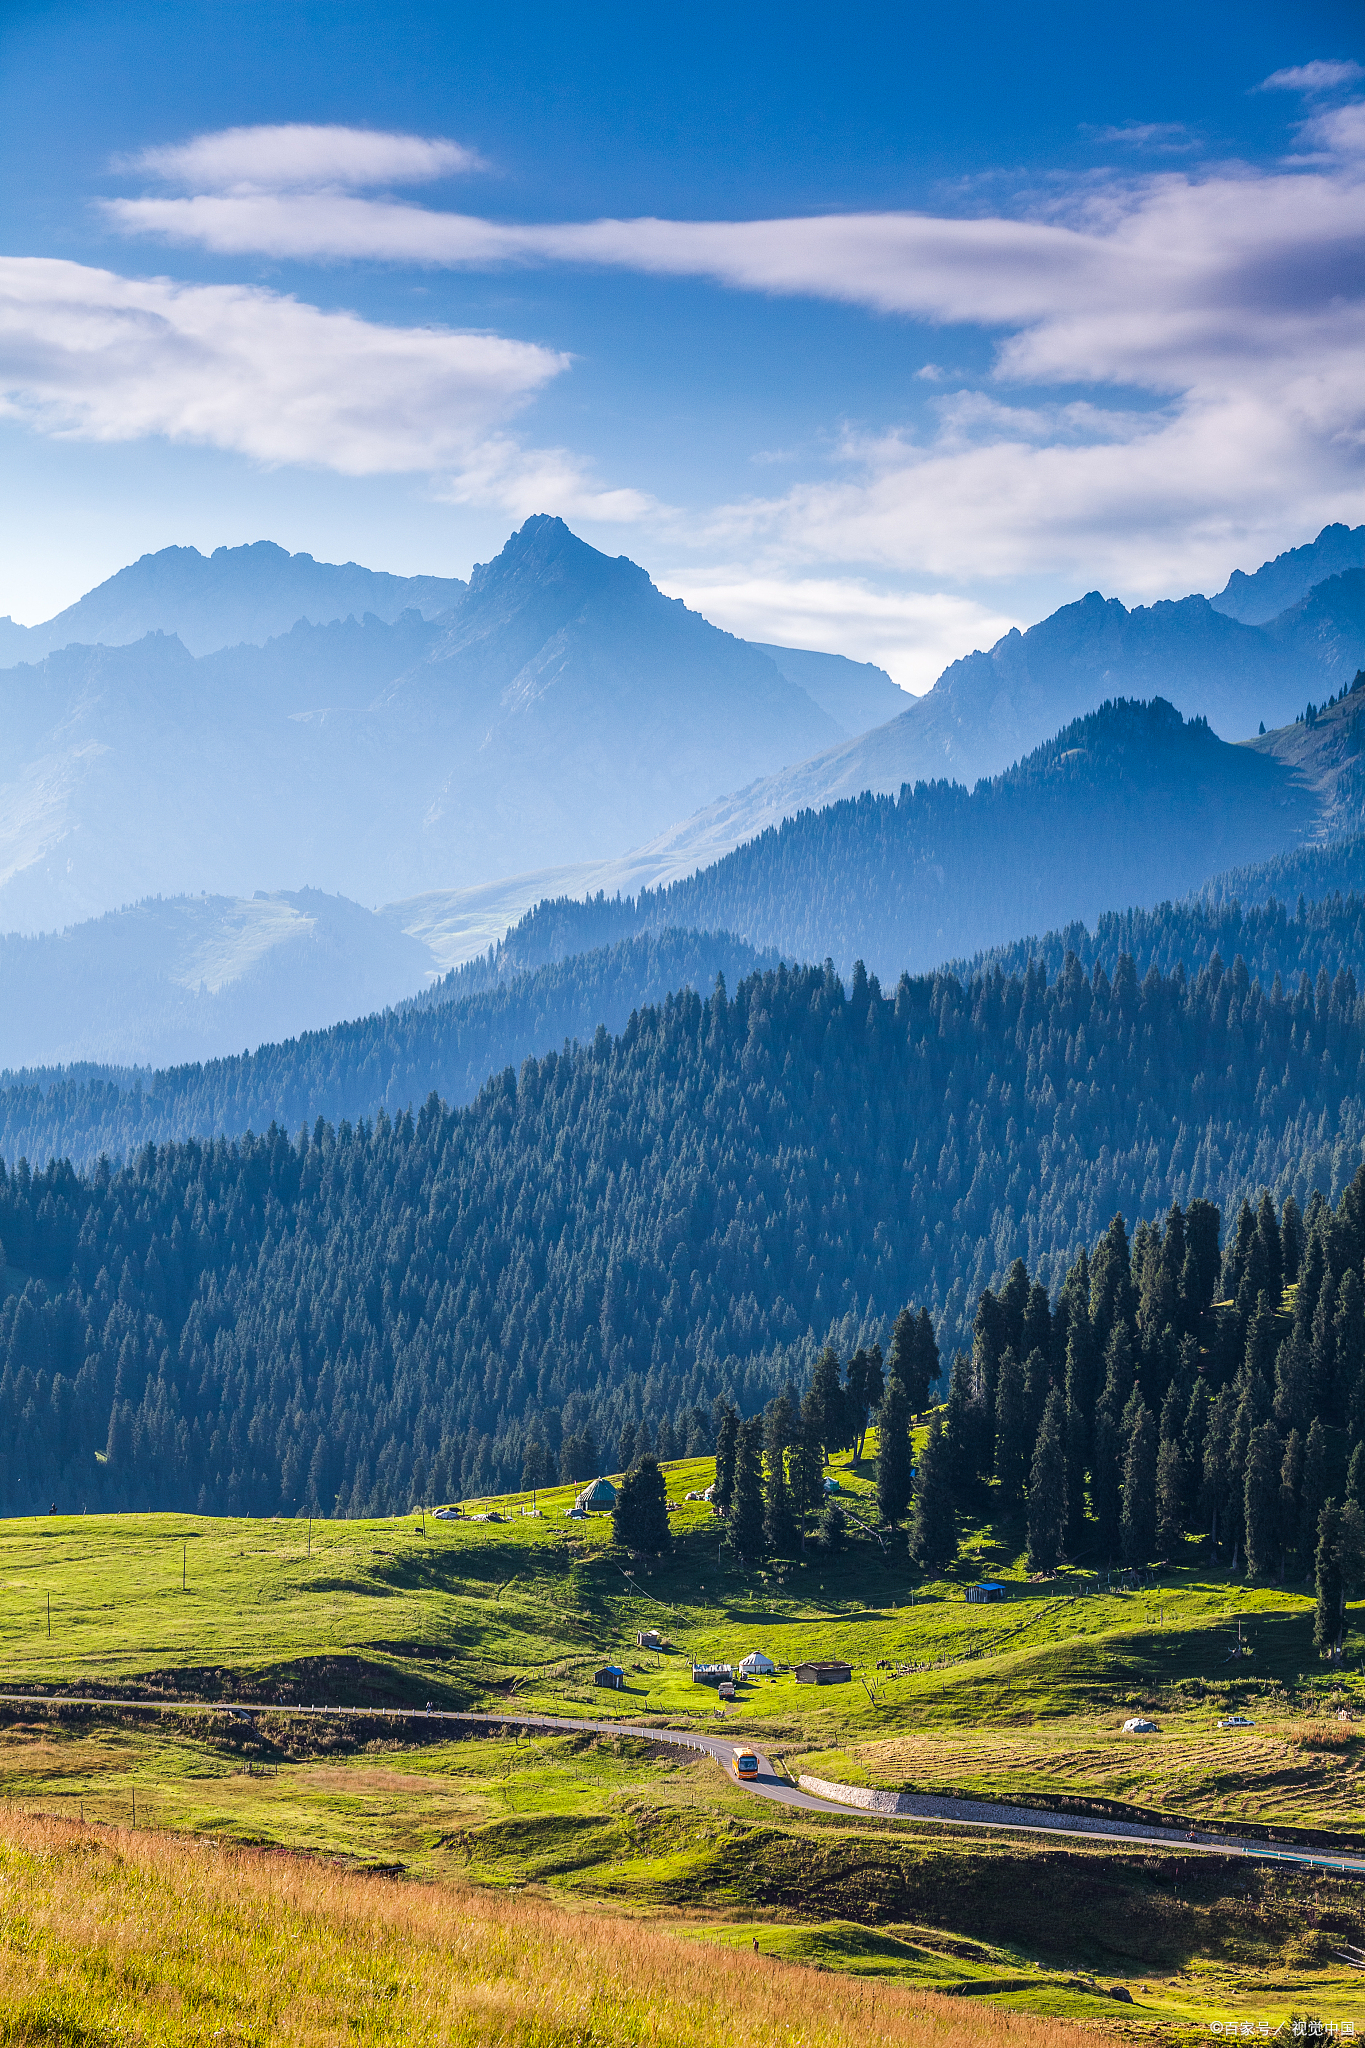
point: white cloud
(913, 635)
(1232, 302)
(1324, 74)
(297, 157)
(522, 481)
(1171, 135)
(91, 355)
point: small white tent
(756, 1665)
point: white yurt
(756, 1665)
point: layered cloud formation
(1174, 386)
(1221, 313)
(86, 353)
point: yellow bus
(744, 1764)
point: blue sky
(877, 331)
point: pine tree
(1047, 1489)
(893, 1453)
(1312, 1492)
(866, 1385)
(1011, 1446)
(780, 1426)
(746, 1510)
(831, 1404)
(1139, 1488)
(914, 1356)
(1265, 1458)
(807, 1465)
(1170, 1498)
(832, 1534)
(639, 1520)
(1291, 1488)
(727, 1437)
(933, 1529)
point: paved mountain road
(962, 1813)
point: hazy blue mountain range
(1129, 803)
(1286, 581)
(185, 978)
(449, 1041)
(209, 601)
(989, 709)
(857, 694)
(565, 710)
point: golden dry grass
(142, 1938)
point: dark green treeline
(623, 1232)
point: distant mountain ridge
(1130, 803)
(250, 593)
(990, 709)
(1278, 585)
(189, 978)
(565, 709)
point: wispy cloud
(1231, 301)
(297, 157)
(1324, 74)
(90, 355)
(1159, 135)
(913, 635)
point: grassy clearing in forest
(1018, 1699)
(474, 1613)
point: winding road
(770, 1784)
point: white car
(1138, 1726)
(1237, 1721)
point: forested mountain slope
(1271, 938)
(248, 593)
(989, 708)
(475, 1024)
(384, 1311)
(565, 711)
(185, 978)
(1130, 802)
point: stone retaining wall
(858, 1795)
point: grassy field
(1021, 1699)
(137, 1937)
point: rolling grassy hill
(513, 1614)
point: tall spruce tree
(1291, 1492)
(746, 1508)
(831, 1402)
(807, 1465)
(1170, 1498)
(1139, 1487)
(1047, 1489)
(1011, 1441)
(893, 1453)
(933, 1528)
(1261, 1498)
(639, 1520)
(727, 1438)
(865, 1386)
(780, 1427)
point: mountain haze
(187, 978)
(1286, 581)
(565, 711)
(247, 593)
(1129, 804)
(988, 709)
